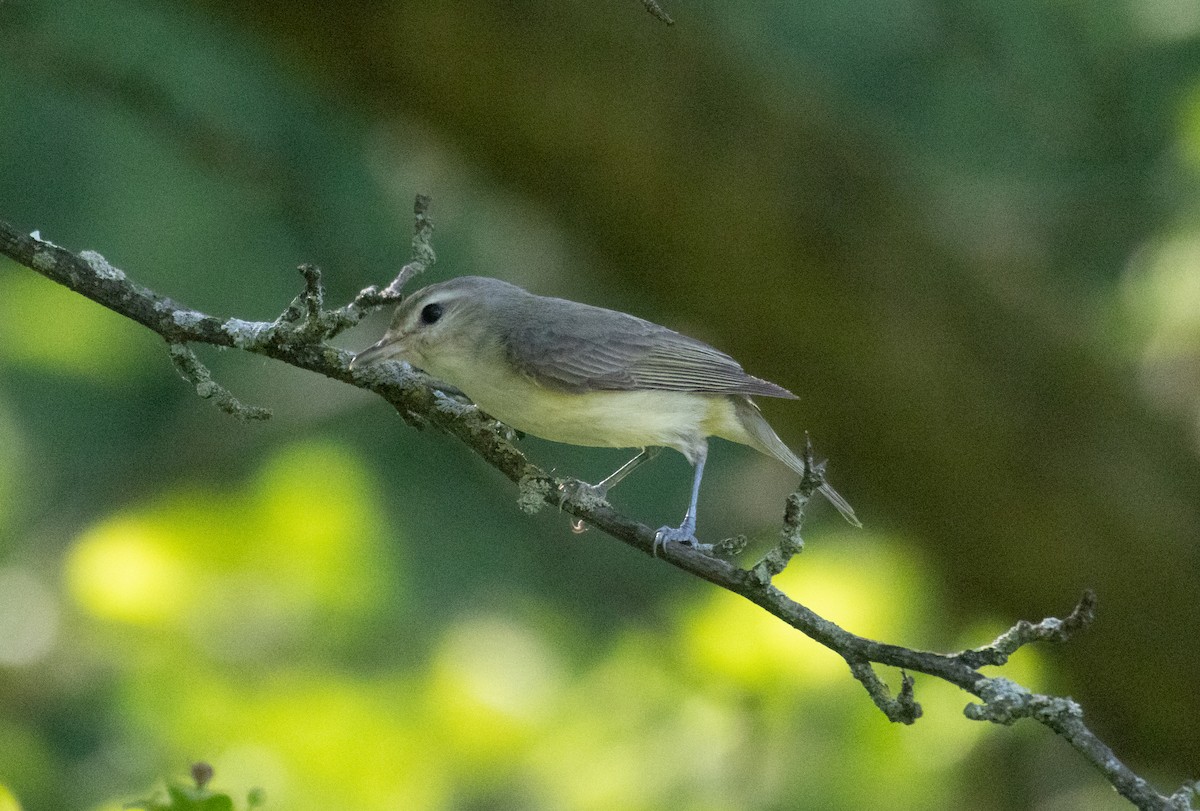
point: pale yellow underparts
(613, 419)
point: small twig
(196, 373)
(903, 709)
(1005, 702)
(372, 298)
(730, 547)
(423, 255)
(791, 543)
(314, 291)
(1051, 629)
(656, 10)
(305, 310)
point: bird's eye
(431, 313)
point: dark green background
(964, 233)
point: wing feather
(577, 347)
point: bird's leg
(685, 533)
(644, 455)
(600, 489)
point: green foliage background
(964, 232)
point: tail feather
(763, 438)
(843, 506)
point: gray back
(577, 347)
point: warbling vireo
(584, 375)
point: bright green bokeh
(12, 457)
(297, 544)
(73, 336)
(21, 755)
(7, 801)
(204, 582)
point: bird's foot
(584, 494)
(582, 491)
(684, 534)
(587, 495)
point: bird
(585, 375)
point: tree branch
(903, 709)
(1050, 629)
(196, 373)
(296, 338)
(657, 11)
(790, 541)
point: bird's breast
(611, 419)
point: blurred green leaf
(55, 331)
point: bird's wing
(578, 347)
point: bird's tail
(763, 438)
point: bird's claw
(577, 490)
(584, 494)
(682, 535)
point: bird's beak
(383, 349)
